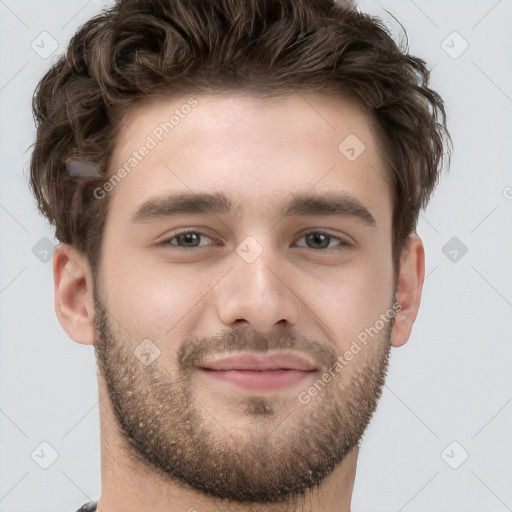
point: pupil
(319, 236)
(187, 237)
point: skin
(295, 296)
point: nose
(260, 293)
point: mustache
(195, 349)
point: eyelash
(342, 245)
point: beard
(263, 448)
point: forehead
(254, 150)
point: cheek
(165, 303)
(352, 299)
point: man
(236, 185)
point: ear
(74, 302)
(409, 287)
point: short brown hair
(139, 49)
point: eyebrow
(339, 204)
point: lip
(259, 372)
(256, 362)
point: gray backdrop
(441, 437)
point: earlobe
(409, 287)
(74, 302)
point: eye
(318, 240)
(186, 237)
(322, 241)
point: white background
(450, 382)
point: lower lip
(262, 380)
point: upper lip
(257, 362)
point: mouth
(260, 372)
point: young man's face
(247, 279)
